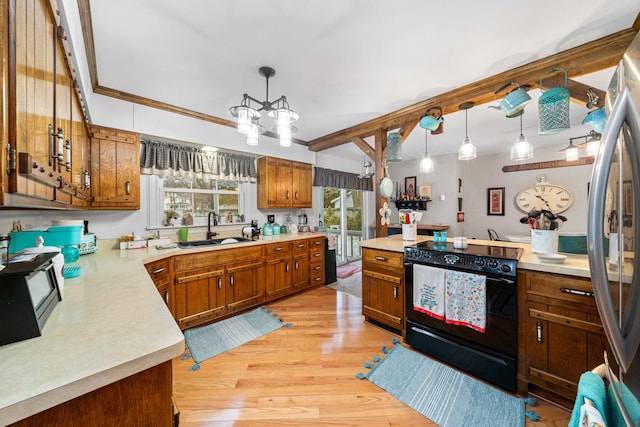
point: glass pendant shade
(593, 147)
(245, 116)
(285, 136)
(252, 135)
(426, 164)
(572, 153)
(467, 150)
(521, 150)
(394, 147)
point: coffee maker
(303, 226)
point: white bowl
(551, 258)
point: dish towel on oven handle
(428, 290)
(466, 299)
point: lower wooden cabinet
(278, 271)
(299, 265)
(210, 285)
(316, 261)
(383, 288)
(562, 335)
(162, 276)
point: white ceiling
(340, 62)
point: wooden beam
(597, 55)
(366, 148)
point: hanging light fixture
(467, 150)
(591, 142)
(248, 117)
(367, 169)
(522, 149)
(426, 164)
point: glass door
(343, 216)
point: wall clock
(544, 196)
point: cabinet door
(382, 297)
(300, 273)
(301, 184)
(278, 276)
(115, 169)
(199, 296)
(245, 285)
(160, 273)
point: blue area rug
(207, 341)
(442, 394)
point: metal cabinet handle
(219, 283)
(127, 188)
(296, 194)
(231, 280)
(576, 292)
(297, 266)
(158, 270)
(382, 258)
(286, 267)
(288, 194)
(166, 297)
(279, 248)
(539, 331)
(395, 292)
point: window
(197, 197)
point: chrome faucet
(210, 233)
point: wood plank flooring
(303, 375)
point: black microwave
(29, 291)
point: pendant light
(426, 164)
(522, 149)
(467, 150)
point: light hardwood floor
(303, 375)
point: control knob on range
(506, 268)
(493, 263)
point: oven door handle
(501, 280)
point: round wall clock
(544, 196)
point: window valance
(163, 158)
(338, 179)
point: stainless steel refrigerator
(614, 201)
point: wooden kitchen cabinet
(283, 184)
(43, 113)
(316, 261)
(383, 288)
(162, 276)
(563, 335)
(115, 168)
(300, 265)
(215, 284)
(278, 271)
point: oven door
(501, 326)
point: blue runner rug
(442, 394)
(207, 341)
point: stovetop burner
(494, 260)
(477, 250)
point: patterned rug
(204, 342)
(352, 285)
(349, 269)
(442, 394)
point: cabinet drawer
(567, 288)
(299, 246)
(383, 258)
(279, 248)
(316, 244)
(316, 273)
(158, 270)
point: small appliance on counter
(251, 232)
(303, 225)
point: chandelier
(591, 142)
(248, 118)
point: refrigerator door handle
(624, 338)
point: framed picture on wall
(425, 191)
(410, 187)
(495, 201)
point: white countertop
(110, 324)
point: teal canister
(267, 230)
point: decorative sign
(425, 191)
(547, 165)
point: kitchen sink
(213, 242)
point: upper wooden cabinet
(283, 184)
(115, 169)
(47, 154)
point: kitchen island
(106, 346)
(559, 333)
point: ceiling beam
(366, 148)
(596, 55)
